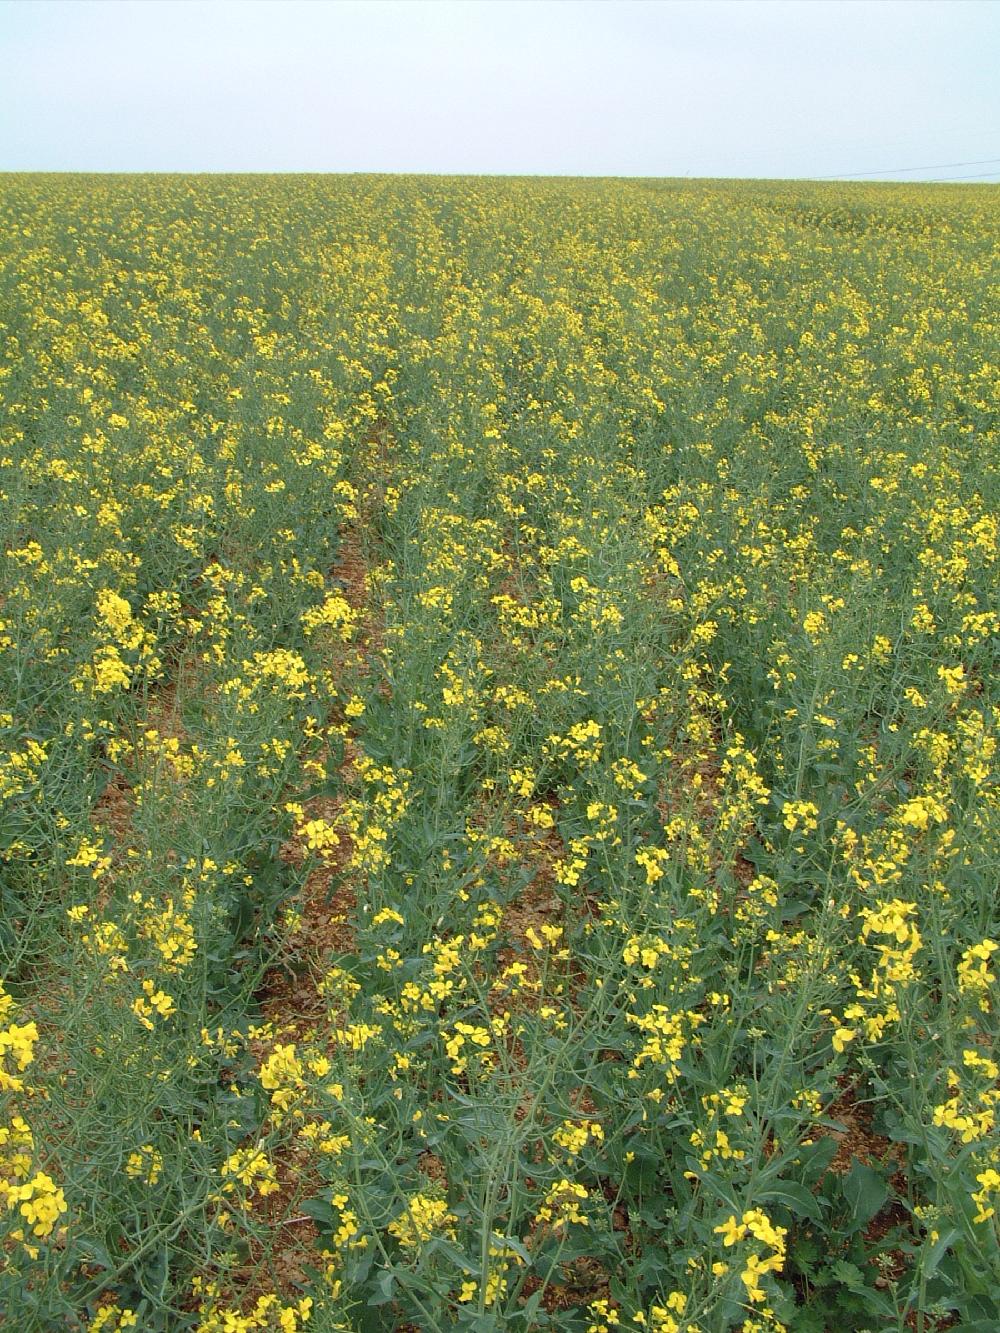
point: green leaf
(481, 1323)
(807, 1162)
(512, 1243)
(532, 1307)
(793, 1196)
(809, 1319)
(937, 1251)
(865, 1191)
(806, 1254)
(849, 1274)
(321, 1211)
(382, 1288)
(97, 1254)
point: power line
(899, 171)
(978, 176)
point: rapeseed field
(498, 755)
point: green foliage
(497, 756)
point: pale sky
(885, 88)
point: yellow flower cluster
(755, 1224)
(423, 1218)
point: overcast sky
(579, 87)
